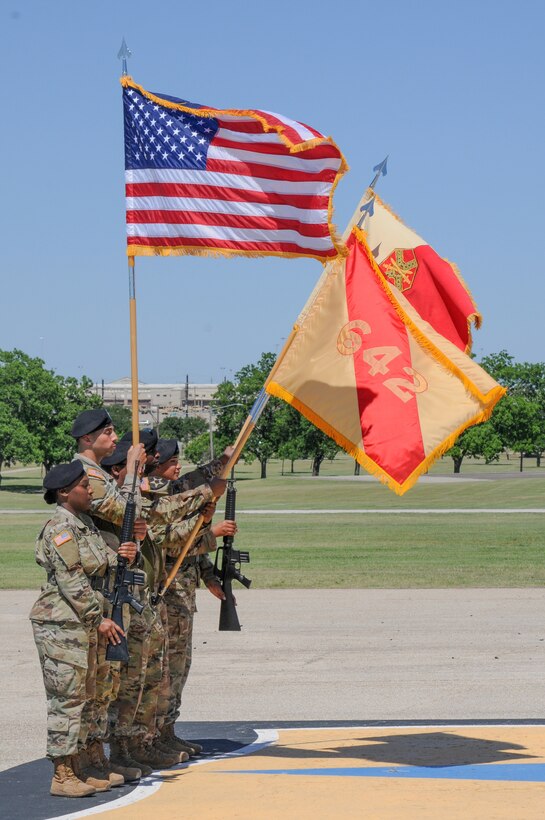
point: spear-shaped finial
(368, 208)
(381, 170)
(123, 54)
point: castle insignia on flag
(400, 268)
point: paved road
(357, 655)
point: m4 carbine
(231, 560)
(124, 579)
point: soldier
(96, 439)
(133, 715)
(180, 597)
(65, 620)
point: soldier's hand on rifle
(214, 587)
(218, 485)
(225, 528)
(128, 550)
(136, 453)
(140, 529)
(111, 630)
(208, 511)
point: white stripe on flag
(241, 136)
(221, 206)
(236, 181)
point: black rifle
(124, 578)
(230, 567)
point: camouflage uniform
(181, 605)
(145, 679)
(134, 710)
(107, 672)
(64, 619)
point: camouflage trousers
(134, 712)
(181, 607)
(107, 679)
(65, 651)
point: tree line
(517, 424)
(37, 407)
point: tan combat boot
(150, 755)
(164, 748)
(169, 738)
(100, 762)
(65, 783)
(84, 769)
(121, 758)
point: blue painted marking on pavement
(515, 772)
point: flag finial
(367, 209)
(123, 54)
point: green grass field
(348, 550)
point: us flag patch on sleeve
(62, 538)
(95, 473)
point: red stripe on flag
(168, 189)
(320, 152)
(398, 450)
(268, 171)
(225, 220)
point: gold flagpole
(134, 353)
(123, 54)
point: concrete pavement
(326, 655)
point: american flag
(203, 180)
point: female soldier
(65, 620)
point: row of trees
(37, 408)
(518, 421)
(517, 424)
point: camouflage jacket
(162, 508)
(109, 500)
(71, 551)
(202, 475)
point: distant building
(156, 401)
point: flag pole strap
(134, 353)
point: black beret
(119, 455)
(63, 475)
(148, 438)
(90, 420)
(167, 447)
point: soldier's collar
(66, 515)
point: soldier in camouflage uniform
(133, 736)
(65, 620)
(180, 597)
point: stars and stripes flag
(203, 180)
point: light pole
(210, 421)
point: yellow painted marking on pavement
(227, 788)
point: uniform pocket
(58, 723)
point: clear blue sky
(452, 91)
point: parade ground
(348, 703)
(413, 689)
